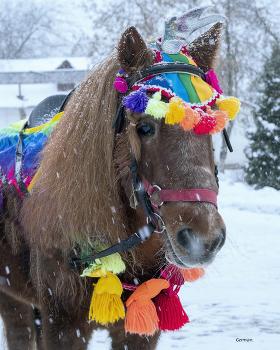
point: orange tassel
(141, 316)
(191, 117)
(141, 320)
(191, 275)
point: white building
(17, 100)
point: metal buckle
(133, 201)
(162, 222)
(156, 186)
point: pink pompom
(121, 85)
(212, 80)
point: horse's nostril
(215, 243)
(183, 237)
(191, 244)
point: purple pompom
(136, 101)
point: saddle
(45, 110)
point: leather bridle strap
(185, 195)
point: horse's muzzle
(187, 249)
(194, 250)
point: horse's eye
(145, 129)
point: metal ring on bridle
(162, 222)
(156, 186)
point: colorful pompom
(212, 80)
(121, 85)
(206, 124)
(175, 111)
(136, 101)
(229, 104)
(191, 117)
(156, 107)
(222, 119)
(191, 275)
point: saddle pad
(33, 141)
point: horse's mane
(76, 196)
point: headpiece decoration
(191, 93)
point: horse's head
(172, 158)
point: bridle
(142, 190)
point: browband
(166, 67)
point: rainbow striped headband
(190, 97)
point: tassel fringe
(106, 308)
(106, 305)
(141, 320)
(170, 312)
(191, 275)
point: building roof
(35, 93)
(44, 64)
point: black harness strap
(118, 120)
(141, 236)
(227, 140)
(166, 67)
(139, 189)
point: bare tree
(112, 17)
(30, 30)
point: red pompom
(206, 124)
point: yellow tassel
(106, 305)
(231, 105)
(156, 107)
(175, 112)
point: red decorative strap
(131, 287)
(189, 195)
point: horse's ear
(133, 53)
(205, 48)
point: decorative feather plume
(177, 30)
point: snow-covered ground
(239, 296)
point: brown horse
(82, 193)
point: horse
(82, 194)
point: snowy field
(239, 298)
